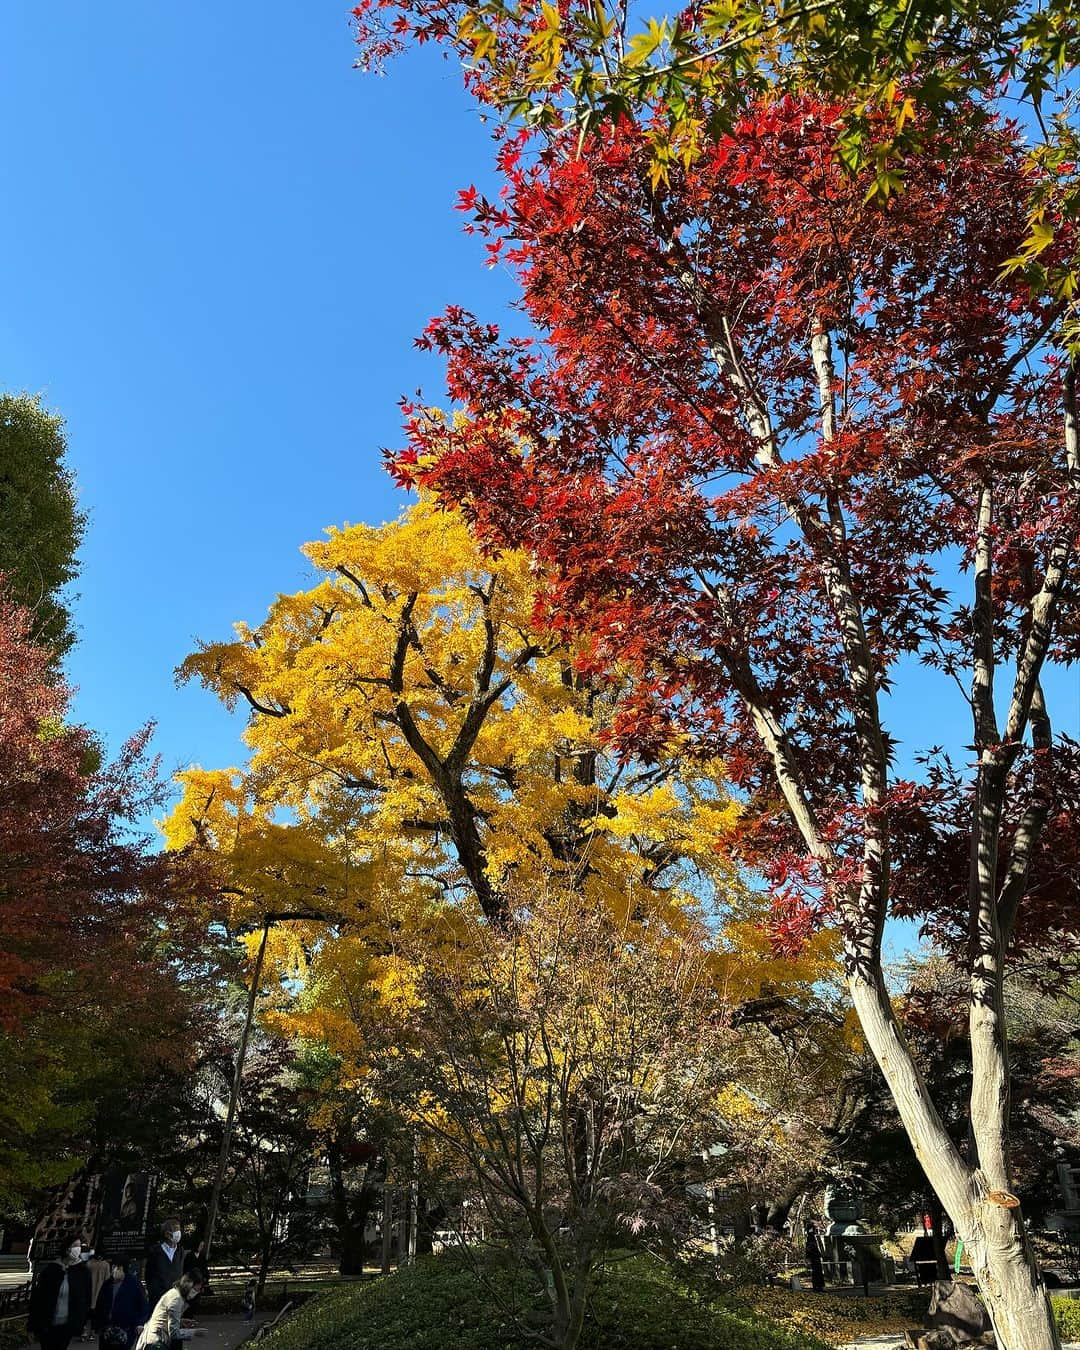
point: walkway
(895, 1342)
(226, 1333)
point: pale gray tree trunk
(985, 1218)
(977, 1198)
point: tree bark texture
(988, 1221)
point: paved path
(222, 1333)
(889, 1341)
(225, 1333)
(883, 1342)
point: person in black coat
(165, 1262)
(130, 1306)
(195, 1261)
(814, 1253)
(60, 1298)
(102, 1317)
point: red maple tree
(774, 446)
(87, 911)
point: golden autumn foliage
(412, 736)
(425, 767)
(563, 1069)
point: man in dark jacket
(60, 1298)
(165, 1262)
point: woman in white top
(165, 1330)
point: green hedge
(1067, 1315)
(13, 1335)
(439, 1305)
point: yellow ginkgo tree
(427, 774)
(411, 735)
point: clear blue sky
(220, 241)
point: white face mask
(174, 1238)
(74, 1253)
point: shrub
(438, 1304)
(13, 1335)
(1067, 1316)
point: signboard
(111, 1213)
(126, 1206)
(69, 1209)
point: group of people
(76, 1290)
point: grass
(438, 1304)
(838, 1318)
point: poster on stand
(125, 1214)
(111, 1212)
(69, 1209)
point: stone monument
(852, 1253)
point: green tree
(41, 526)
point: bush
(13, 1335)
(1067, 1316)
(438, 1304)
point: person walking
(814, 1255)
(60, 1298)
(196, 1260)
(130, 1307)
(165, 1330)
(99, 1268)
(165, 1262)
(110, 1336)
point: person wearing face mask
(60, 1298)
(111, 1336)
(166, 1330)
(165, 1264)
(130, 1307)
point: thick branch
(1043, 607)
(982, 622)
(267, 709)
(1032, 822)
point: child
(247, 1303)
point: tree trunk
(1008, 1278)
(992, 1231)
(350, 1210)
(571, 1333)
(425, 1226)
(264, 1265)
(386, 1232)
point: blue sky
(220, 242)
